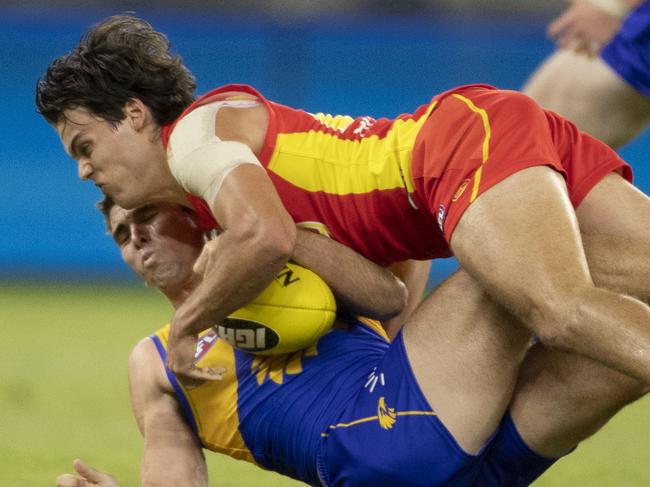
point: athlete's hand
(207, 254)
(181, 349)
(89, 477)
(584, 28)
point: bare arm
(257, 239)
(359, 285)
(172, 454)
(414, 274)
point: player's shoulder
(193, 131)
(146, 367)
(237, 116)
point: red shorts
(477, 136)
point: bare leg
(614, 219)
(521, 241)
(465, 351)
(590, 94)
(562, 399)
(575, 395)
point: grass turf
(63, 394)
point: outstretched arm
(172, 454)
(359, 285)
(88, 477)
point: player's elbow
(273, 239)
(396, 300)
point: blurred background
(70, 309)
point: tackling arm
(359, 285)
(414, 274)
(258, 234)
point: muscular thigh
(615, 207)
(465, 352)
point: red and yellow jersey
(349, 178)
(395, 189)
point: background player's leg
(465, 351)
(590, 94)
(520, 240)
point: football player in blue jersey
(600, 76)
(437, 406)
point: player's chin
(126, 199)
(164, 276)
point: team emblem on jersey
(442, 212)
(385, 415)
(248, 335)
(204, 344)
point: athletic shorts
(477, 136)
(628, 52)
(389, 436)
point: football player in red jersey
(560, 398)
(486, 175)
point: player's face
(124, 162)
(160, 242)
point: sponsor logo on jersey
(461, 189)
(278, 367)
(364, 125)
(247, 334)
(374, 379)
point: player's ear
(137, 114)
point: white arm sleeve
(198, 159)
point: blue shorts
(389, 436)
(628, 52)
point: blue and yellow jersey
(273, 410)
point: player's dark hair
(120, 58)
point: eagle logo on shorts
(385, 415)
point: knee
(558, 318)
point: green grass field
(63, 394)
